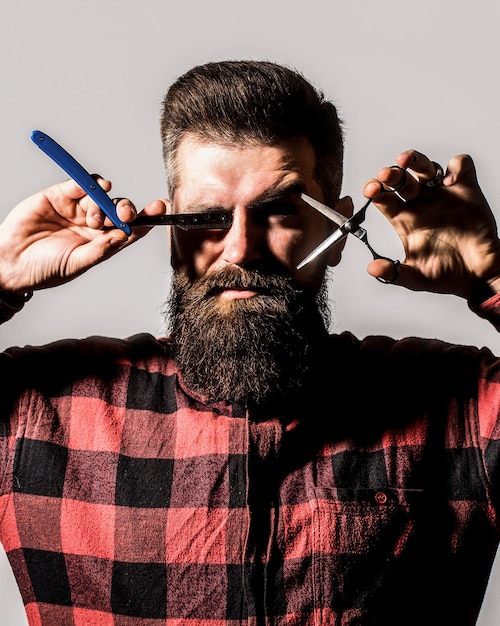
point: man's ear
(346, 207)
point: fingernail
(132, 213)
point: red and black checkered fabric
(126, 500)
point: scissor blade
(327, 211)
(216, 220)
(334, 238)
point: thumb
(98, 249)
(461, 169)
(385, 270)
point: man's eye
(279, 209)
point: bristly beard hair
(251, 350)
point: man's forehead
(211, 168)
(292, 151)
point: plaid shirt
(126, 500)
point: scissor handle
(353, 226)
(376, 255)
(71, 166)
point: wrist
(11, 303)
(494, 285)
(482, 290)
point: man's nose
(245, 240)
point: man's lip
(233, 293)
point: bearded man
(212, 476)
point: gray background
(92, 74)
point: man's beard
(251, 350)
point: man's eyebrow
(276, 194)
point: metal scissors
(346, 226)
(186, 221)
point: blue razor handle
(71, 166)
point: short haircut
(246, 103)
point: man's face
(271, 225)
(244, 321)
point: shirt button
(380, 497)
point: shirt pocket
(358, 537)
(353, 521)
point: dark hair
(251, 102)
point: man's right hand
(57, 234)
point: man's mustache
(241, 278)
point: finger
(392, 185)
(397, 273)
(94, 216)
(397, 177)
(71, 201)
(125, 209)
(425, 171)
(102, 182)
(105, 186)
(401, 181)
(390, 179)
(67, 190)
(387, 202)
(373, 188)
(155, 207)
